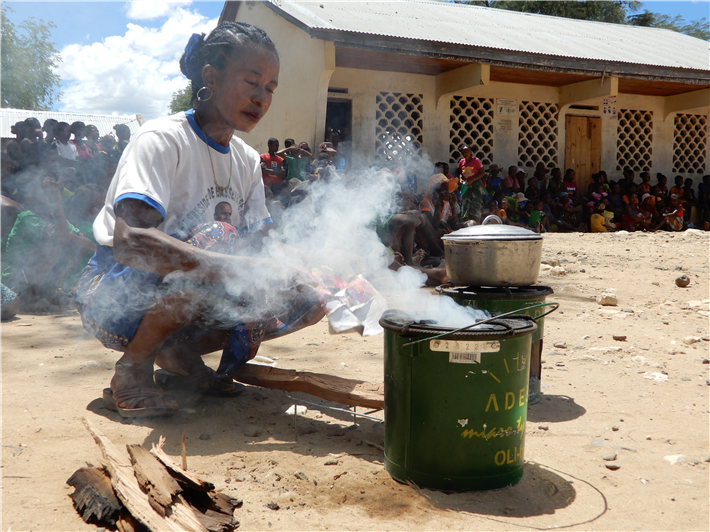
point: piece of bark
(93, 497)
(217, 521)
(154, 478)
(181, 518)
(214, 509)
(344, 391)
(213, 500)
(189, 478)
(127, 523)
(224, 503)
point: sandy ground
(601, 396)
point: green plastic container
(501, 300)
(456, 407)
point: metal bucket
(500, 300)
(456, 407)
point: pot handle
(491, 218)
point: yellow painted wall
(307, 69)
(364, 85)
(294, 109)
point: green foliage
(181, 100)
(601, 11)
(695, 28)
(616, 11)
(28, 63)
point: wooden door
(583, 148)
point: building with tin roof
(417, 79)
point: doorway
(583, 148)
(338, 129)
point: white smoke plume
(337, 224)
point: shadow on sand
(555, 408)
(540, 492)
(256, 421)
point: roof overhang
(397, 54)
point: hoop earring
(203, 99)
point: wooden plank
(582, 169)
(392, 62)
(595, 156)
(130, 494)
(535, 77)
(572, 134)
(345, 391)
(154, 478)
(656, 88)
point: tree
(615, 11)
(601, 11)
(695, 28)
(181, 100)
(28, 63)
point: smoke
(335, 226)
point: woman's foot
(192, 374)
(204, 381)
(133, 392)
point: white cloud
(136, 73)
(149, 9)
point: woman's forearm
(152, 250)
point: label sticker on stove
(462, 352)
(465, 358)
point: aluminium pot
(493, 255)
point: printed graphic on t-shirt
(196, 215)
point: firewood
(180, 517)
(93, 497)
(189, 478)
(217, 522)
(184, 453)
(213, 501)
(344, 391)
(224, 503)
(154, 478)
(127, 523)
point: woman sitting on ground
(168, 283)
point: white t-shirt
(173, 166)
(67, 151)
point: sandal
(132, 397)
(205, 381)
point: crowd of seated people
(548, 200)
(55, 178)
(54, 181)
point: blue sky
(122, 58)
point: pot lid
(479, 293)
(407, 325)
(492, 232)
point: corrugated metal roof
(475, 26)
(104, 123)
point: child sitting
(598, 223)
(538, 220)
(672, 215)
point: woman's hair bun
(190, 63)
